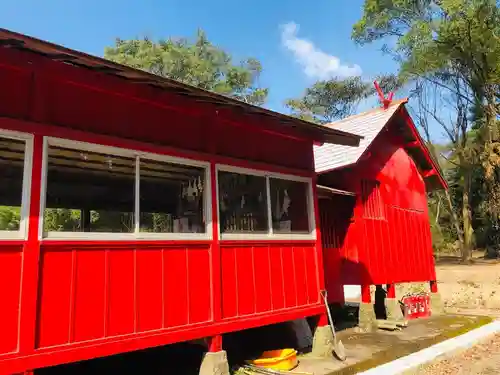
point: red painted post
(365, 294)
(322, 320)
(391, 291)
(434, 287)
(215, 344)
(319, 246)
(215, 251)
(31, 256)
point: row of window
(91, 191)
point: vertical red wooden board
(121, 292)
(175, 284)
(277, 279)
(245, 280)
(55, 296)
(263, 298)
(88, 295)
(289, 276)
(10, 289)
(199, 285)
(149, 289)
(229, 286)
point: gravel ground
(482, 359)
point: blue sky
(298, 42)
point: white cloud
(316, 63)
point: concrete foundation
(323, 342)
(393, 310)
(367, 320)
(437, 307)
(215, 364)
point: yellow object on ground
(281, 359)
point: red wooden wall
(269, 277)
(385, 236)
(73, 300)
(89, 292)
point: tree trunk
(467, 217)
(490, 112)
(455, 220)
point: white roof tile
(368, 124)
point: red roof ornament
(385, 102)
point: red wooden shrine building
(136, 211)
(379, 233)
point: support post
(215, 360)
(323, 338)
(367, 320)
(437, 307)
(215, 344)
(392, 308)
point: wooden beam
(413, 144)
(429, 173)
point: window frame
(28, 139)
(270, 236)
(137, 235)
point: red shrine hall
(373, 203)
(136, 211)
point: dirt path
(482, 359)
(466, 288)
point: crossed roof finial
(386, 102)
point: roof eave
(287, 124)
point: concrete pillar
(437, 307)
(215, 360)
(392, 307)
(323, 338)
(367, 320)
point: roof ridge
(367, 112)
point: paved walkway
(482, 359)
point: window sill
(16, 236)
(116, 237)
(288, 237)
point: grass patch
(407, 348)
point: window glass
(89, 192)
(289, 206)
(172, 198)
(12, 154)
(242, 203)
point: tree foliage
(198, 63)
(337, 98)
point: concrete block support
(215, 363)
(392, 307)
(215, 360)
(323, 342)
(367, 320)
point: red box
(416, 306)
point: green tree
(337, 98)
(198, 63)
(10, 218)
(452, 46)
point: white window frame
(27, 138)
(136, 235)
(270, 235)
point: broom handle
(324, 294)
